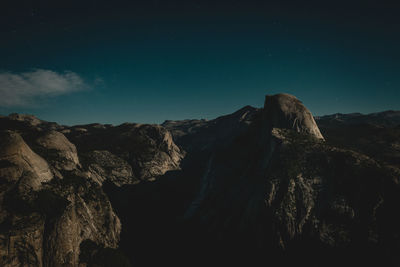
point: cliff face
(331, 197)
(58, 150)
(83, 212)
(45, 215)
(253, 149)
(52, 204)
(21, 164)
(287, 112)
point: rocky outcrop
(86, 215)
(280, 188)
(22, 174)
(21, 241)
(19, 164)
(287, 112)
(27, 123)
(312, 185)
(25, 118)
(44, 219)
(58, 150)
(280, 111)
(102, 165)
(52, 203)
(148, 149)
(46, 228)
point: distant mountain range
(270, 186)
(389, 118)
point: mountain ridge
(258, 186)
(34, 119)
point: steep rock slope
(280, 111)
(127, 153)
(80, 212)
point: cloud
(24, 88)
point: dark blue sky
(147, 61)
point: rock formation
(147, 149)
(292, 198)
(58, 150)
(287, 112)
(20, 164)
(44, 219)
(51, 200)
(255, 187)
(103, 165)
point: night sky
(148, 61)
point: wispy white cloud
(22, 89)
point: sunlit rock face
(45, 218)
(20, 164)
(58, 150)
(46, 227)
(52, 203)
(81, 212)
(22, 174)
(287, 112)
(137, 152)
(252, 151)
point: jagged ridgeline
(259, 187)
